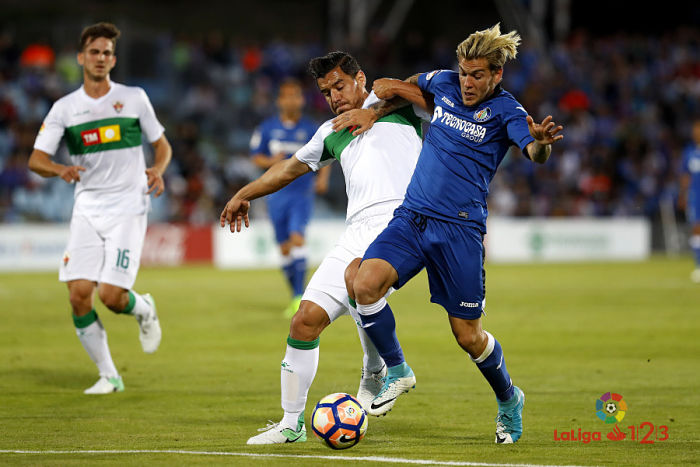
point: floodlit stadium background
(625, 91)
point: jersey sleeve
(516, 126)
(313, 153)
(420, 113)
(150, 125)
(428, 81)
(51, 131)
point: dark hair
(106, 30)
(290, 81)
(321, 66)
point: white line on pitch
(389, 460)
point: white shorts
(104, 249)
(327, 286)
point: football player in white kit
(377, 167)
(102, 124)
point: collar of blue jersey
(496, 91)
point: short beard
(97, 79)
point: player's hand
(682, 201)
(544, 133)
(235, 214)
(357, 120)
(155, 181)
(384, 87)
(71, 173)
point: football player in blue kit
(289, 209)
(442, 221)
(689, 198)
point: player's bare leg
(294, 266)
(142, 307)
(487, 354)
(372, 282)
(297, 372)
(93, 337)
(373, 367)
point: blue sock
(378, 322)
(298, 276)
(493, 367)
(289, 270)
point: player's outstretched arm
(41, 163)
(163, 153)
(396, 90)
(263, 161)
(394, 94)
(545, 135)
(278, 176)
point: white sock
(371, 360)
(297, 252)
(94, 340)
(298, 371)
(141, 307)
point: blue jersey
(691, 167)
(462, 150)
(272, 137)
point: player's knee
(80, 300)
(113, 298)
(285, 248)
(350, 274)
(296, 239)
(367, 288)
(471, 339)
(307, 324)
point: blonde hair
(491, 45)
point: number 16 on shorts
(122, 258)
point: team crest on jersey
(118, 106)
(430, 75)
(66, 258)
(482, 115)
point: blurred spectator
(626, 103)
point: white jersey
(378, 164)
(104, 136)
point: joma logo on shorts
(469, 304)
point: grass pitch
(570, 332)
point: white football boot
(274, 434)
(106, 385)
(399, 379)
(149, 327)
(370, 385)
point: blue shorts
(452, 254)
(290, 215)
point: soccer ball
(611, 407)
(339, 421)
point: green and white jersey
(104, 136)
(378, 164)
